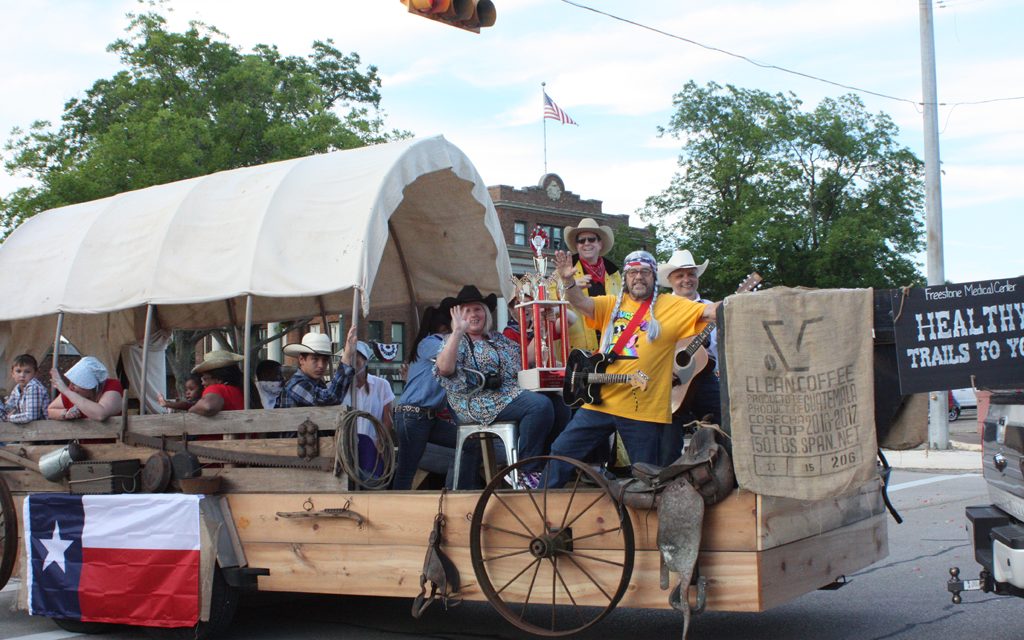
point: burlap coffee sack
(800, 390)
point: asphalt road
(902, 597)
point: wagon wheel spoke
(529, 591)
(554, 604)
(568, 592)
(517, 534)
(577, 554)
(514, 514)
(603, 532)
(572, 496)
(599, 585)
(8, 533)
(590, 577)
(507, 555)
(585, 509)
(521, 572)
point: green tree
(629, 239)
(185, 105)
(189, 104)
(821, 198)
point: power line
(765, 65)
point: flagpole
(544, 121)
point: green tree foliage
(185, 105)
(821, 198)
(189, 104)
(629, 239)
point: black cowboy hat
(446, 305)
(470, 294)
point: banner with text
(800, 385)
(946, 334)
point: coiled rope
(346, 451)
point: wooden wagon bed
(757, 552)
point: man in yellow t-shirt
(648, 346)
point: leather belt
(424, 411)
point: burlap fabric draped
(800, 390)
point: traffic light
(464, 14)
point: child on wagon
(29, 398)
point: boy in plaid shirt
(29, 398)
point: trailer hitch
(956, 586)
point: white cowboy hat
(216, 359)
(589, 224)
(681, 259)
(319, 343)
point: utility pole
(938, 404)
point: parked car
(965, 398)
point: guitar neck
(609, 378)
(698, 340)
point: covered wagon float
(403, 224)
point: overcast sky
(483, 92)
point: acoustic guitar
(692, 358)
(584, 375)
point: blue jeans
(703, 398)
(589, 429)
(415, 430)
(535, 416)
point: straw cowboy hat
(471, 294)
(318, 343)
(680, 260)
(589, 224)
(216, 359)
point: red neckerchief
(631, 328)
(596, 272)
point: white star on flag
(55, 548)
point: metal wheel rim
(515, 612)
(8, 533)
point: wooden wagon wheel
(551, 562)
(8, 533)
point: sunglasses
(587, 240)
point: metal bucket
(55, 464)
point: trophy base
(542, 379)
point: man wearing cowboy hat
(682, 274)
(306, 387)
(639, 333)
(594, 274)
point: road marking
(49, 635)
(918, 483)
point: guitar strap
(631, 328)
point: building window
(554, 236)
(398, 337)
(375, 330)
(519, 233)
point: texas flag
(126, 559)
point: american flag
(552, 111)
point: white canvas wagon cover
(404, 223)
